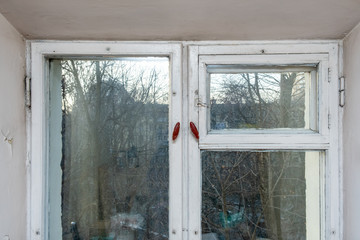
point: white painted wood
(38, 141)
(258, 69)
(268, 47)
(325, 55)
(204, 98)
(340, 144)
(28, 140)
(333, 230)
(261, 140)
(264, 131)
(244, 43)
(263, 60)
(185, 134)
(39, 124)
(61, 48)
(323, 97)
(194, 230)
(313, 207)
(175, 147)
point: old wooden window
(268, 124)
(104, 166)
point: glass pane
(260, 195)
(114, 149)
(242, 98)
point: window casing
(190, 99)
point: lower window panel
(261, 195)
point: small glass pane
(260, 195)
(112, 152)
(263, 98)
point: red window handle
(176, 131)
(194, 130)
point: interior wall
(351, 135)
(12, 133)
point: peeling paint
(9, 141)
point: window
(267, 118)
(262, 97)
(101, 165)
(104, 165)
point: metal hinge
(329, 121)
(341, 91)
(199, 103)
(28, 92)
(329, 74)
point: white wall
(352, 136)
(12, 124)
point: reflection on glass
(260, 195)
(263, 100)
(114, 149)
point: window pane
(260, 195)
(263, 98)
(114, 157)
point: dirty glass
(114, 160)
(260, 195)
(264, 98)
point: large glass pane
(113, 158)
(260, 195)
(262, 98)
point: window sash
(270, 53)
(39, 152)
(292, 137)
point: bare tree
(114, 113)
(262, 191)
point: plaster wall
(351, 135)
(12, 133)
(182, 19)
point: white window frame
(326, 55)
(38, 206)
(185, 194)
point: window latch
(194, 130)
(176, 131)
